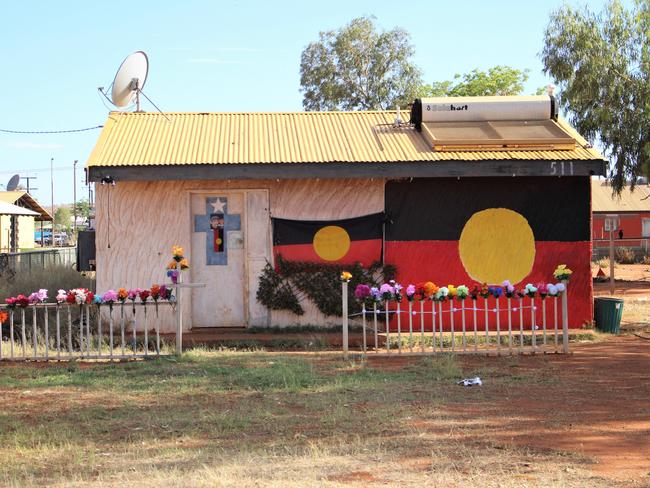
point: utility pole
(74, 197)
(29, 178)
(52, 188)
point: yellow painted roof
(28, 200)
(141, 139)
(629, 201)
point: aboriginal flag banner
(469, 230)
(349, 241)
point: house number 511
(562, 168)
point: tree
(63, 217)
(83, 208)
(358, 68)
(499, 80)
(601, 64)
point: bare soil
(594, 402)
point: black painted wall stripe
(557, 209)
(302, 231)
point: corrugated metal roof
(628, 201)
(141, 139)
(28, 200)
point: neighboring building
(630, 211)
(17, 232)
(460, 202)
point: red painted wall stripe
(365, 252)
(439, 261)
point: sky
(214, 56)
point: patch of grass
(226, 418)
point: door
(230, 247)
(218, 259)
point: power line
(35, 170)
(8, 131)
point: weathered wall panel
(147, 218)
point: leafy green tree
(63, 218)
(499, 80)
(358, 68)
(601, 63)
(83, 208)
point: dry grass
(232, 419)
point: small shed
(504, 196)
(17, 231)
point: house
(629, 211)
(17, 232)
(501, 196)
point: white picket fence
(50, 331)
(505, 326)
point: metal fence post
(565, 317)
(344, 310)
(179, 315)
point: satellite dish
(13, 183)
(130, 79)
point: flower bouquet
(562, 273)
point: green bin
(608, 313)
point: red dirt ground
(595, 402)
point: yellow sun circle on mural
(497, 244)
(331, 243)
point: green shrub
(625, 255)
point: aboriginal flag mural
(340, 241)
(462, 231)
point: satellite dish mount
(129, 81)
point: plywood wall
(138, 222)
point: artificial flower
(155, 292)
(22, 301)
(462, 292)
(475, 292)
(61, 296)
(551, 289)
(171, 265)
(452, 290)
(542, 288)
(346, 276)
(122, 294)
(430, 289)
(442, 293)
(560, 287)
(144, 295)
(3, 316)
(90, 296)
(361, 292)
(484, 290)
(110, 297)
(386, 291)
(184, 264)
(410, 293)
(496, 291)
(97, 299)
(11, 302)
(375, 294)
(530, 290)
(508, 288)
(562, 273)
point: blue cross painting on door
(218, 259)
